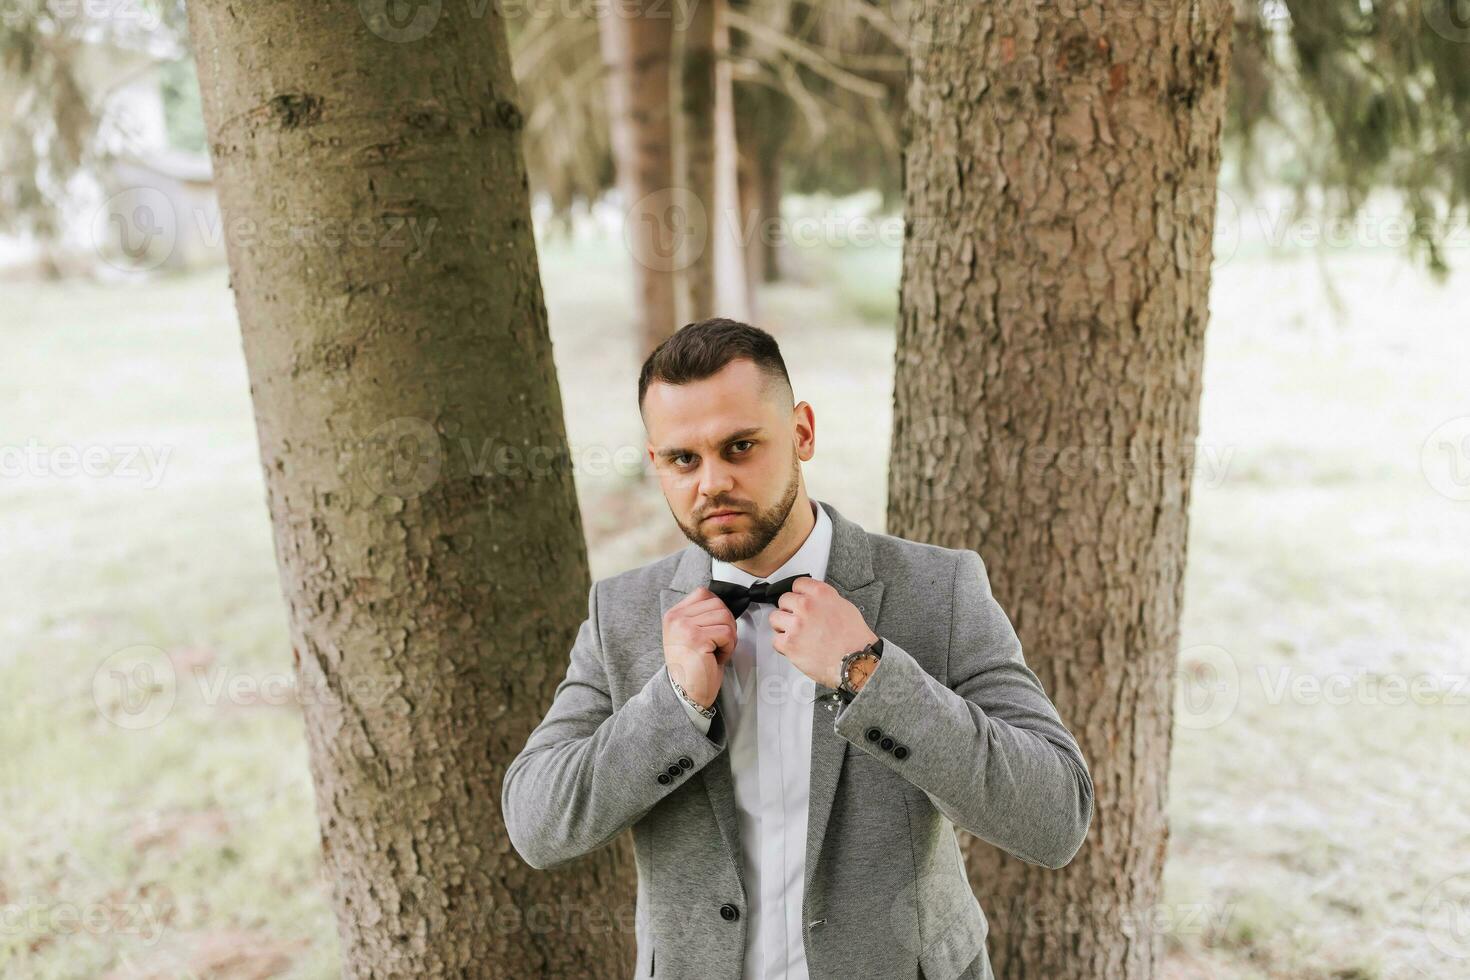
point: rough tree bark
(637, 39)
(410, 425)
(1060, 187)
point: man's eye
(738, 442)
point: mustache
(722, 507)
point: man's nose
(715, 479)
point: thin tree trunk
(410, 426)
(751, 197)
(708, 162)
(637, 44)
(763, 121)
(1060, 186)
(730, 284)
(695, 152)
(768, 242)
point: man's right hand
(699, 639)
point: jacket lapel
(850, 572)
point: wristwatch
(860, 663)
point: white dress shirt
(767, 704)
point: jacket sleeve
(588, 772)
(989, 749)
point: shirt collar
(811, 557)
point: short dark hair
(698, 350)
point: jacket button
(900, 752)
(664, 779)
(685, 762)
(729, 913)
(674, 769)
(886, 744)
(873, 734)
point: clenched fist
(699, 639)
(815, 627)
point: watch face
(860, 669)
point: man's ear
(811, 448)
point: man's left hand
(815, 627)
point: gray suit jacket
(952, 730)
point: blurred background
(1320, 824)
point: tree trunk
(763, 123)
(768, 242)
(752, 196)
(694, 48)
(637, 45)
(730, 283)
(1060, 189)
(708, 163)
(427, 533)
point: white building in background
(154, 206)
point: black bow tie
(738, 597)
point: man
(792, 713)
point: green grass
(1306, 836)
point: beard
(727, 545)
